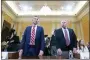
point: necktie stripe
(32, 41)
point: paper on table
(4, 55)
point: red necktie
(32, 41)
(66, 37)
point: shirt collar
(34, 25)
(63, 28)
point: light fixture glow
(62, 8)
(25, 8)
(69, 8)
(45, 9)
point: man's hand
(20, 53)
(59, 51)
(41, 53)
(19, 58)
(74, 50)
(40, 57)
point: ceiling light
(30, 8)
(45, 9)
(69, 8)
(25, 7)
(62, 8)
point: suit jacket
(16, 39)
(14, 44)
(53, 41)
(39, 40)
(61, 42)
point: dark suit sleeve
(52, 40)
(16, 39)
(74, 40)
(23, 39)
(58, 44)
(42, 40)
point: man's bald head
(64, 23)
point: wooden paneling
(7, 18)
(85, 26)
(47, 27)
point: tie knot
(64, 27)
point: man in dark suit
(66, 38)
(53, 45)
(32, 43)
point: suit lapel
(30, 31)
(69, 33)
(62, 32)
(36, 32)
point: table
(15, 55)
